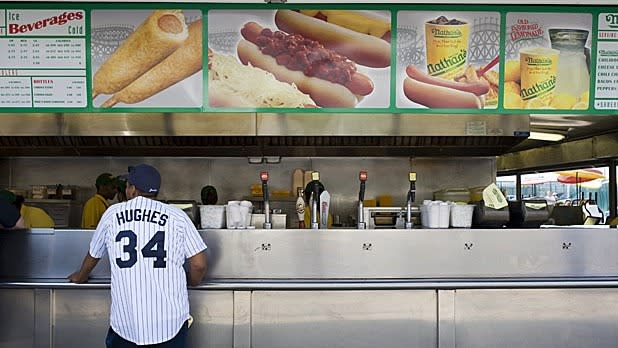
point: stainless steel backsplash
(183, 177)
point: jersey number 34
(155, 248)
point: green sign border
(393, 8)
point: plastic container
(435, 214)
(476, 194)
(238, 214)
(277, 220)
(212, 216)
(461, 215)
(453, 195)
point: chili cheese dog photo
(232, 84)
(184, 62)
(151, 42)
(329, 78)
(362, 48)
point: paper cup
(447, 49)
(538, 66)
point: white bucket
(435, 214)
(212, 216)
(461, 215)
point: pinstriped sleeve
(193, 241)
(97, 244)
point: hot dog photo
(448, 59)
(299, 59)
(146, 58)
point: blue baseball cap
(144, 177)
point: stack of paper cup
(238, 214)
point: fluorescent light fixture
(546, 136)
(255, 160)
(272, 159)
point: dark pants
(113, 340)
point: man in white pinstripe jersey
(147, 242)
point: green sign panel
(444, 59)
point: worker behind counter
(9, 214)
(107, 186)
(33, 217)
(209, 195)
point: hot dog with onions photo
(361, 47)
(232, 84)
(331, 79)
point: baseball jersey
(147, 242)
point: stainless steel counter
(341, 288)
(443, 254)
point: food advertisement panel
(146, 58)
(547, 61)
(299, 59)
(448, 59)
(366, 58)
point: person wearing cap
(94, 208)
(121, 195)
(147, 242)
(34, 217)
(9, 214)
(209, 195)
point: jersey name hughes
(137, 214)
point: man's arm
(197, 268)
(20, 223)
(81, 276)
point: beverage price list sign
(42, 58)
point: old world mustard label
(447, 49)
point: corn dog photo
(182, 63)
(459, 61)
(331, 79)
(156, 65)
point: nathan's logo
(539, 61)
(539, 89)
(446, 33)
(612, 20)
(448, 64)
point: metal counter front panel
(360, 319)
(348, 254)
(512, 318)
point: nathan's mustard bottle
(538, 66)
(446, 44)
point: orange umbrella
(579, 175)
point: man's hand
(77, 278)
(81, 276)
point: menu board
(383, 58)
(43, 59)
(606, 91)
